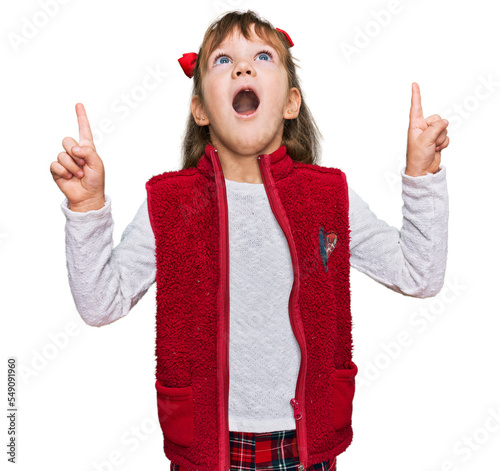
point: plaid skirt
(266, 452)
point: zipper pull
(301, 467)
(296, 411)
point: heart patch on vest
(327, 242)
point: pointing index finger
(84, 126)
(416, 104)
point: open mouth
(246, 102)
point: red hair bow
(287, 36)
(188, 60)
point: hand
(426, 138)
(79, 174)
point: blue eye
(221, 56)
(264, 54)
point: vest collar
(280, 162)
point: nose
(243, 67)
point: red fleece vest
(188, 213)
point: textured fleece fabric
(188, 215)
(411, 261)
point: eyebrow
(221, 48)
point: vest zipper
(223, 345)
(296, 323)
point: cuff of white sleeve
(437, 177)
(93, 214)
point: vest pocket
(175, 412)
(343, 394)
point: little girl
(250, 245)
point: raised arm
(106, 282)
(411, 261)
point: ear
(292, 104)
(198, 111)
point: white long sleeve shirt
(107, 282)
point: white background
(83, 395)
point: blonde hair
(300, 135)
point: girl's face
(243, 122)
